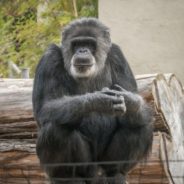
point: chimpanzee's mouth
(83, 65)
(82, 68)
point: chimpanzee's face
(85, 48)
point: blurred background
(150, 32)
(28, 27)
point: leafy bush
(28, 27)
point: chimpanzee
(88, 109)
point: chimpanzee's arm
(137, 111)
(51, 99)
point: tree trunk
(75, 8)
(18, 160)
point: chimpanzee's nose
(82, 51)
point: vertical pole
(75, 8)
(25, 73)
(10, 72)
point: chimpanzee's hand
(133, 101)
(101, 101)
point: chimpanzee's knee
(59, 151)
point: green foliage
(28, 27)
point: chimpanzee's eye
(87, 44)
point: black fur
(79, 120)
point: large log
(18, 161)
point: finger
(119, 100)
(108, 92)
(118, 88)
(105, 89)
(113, 92)
(120, 108)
